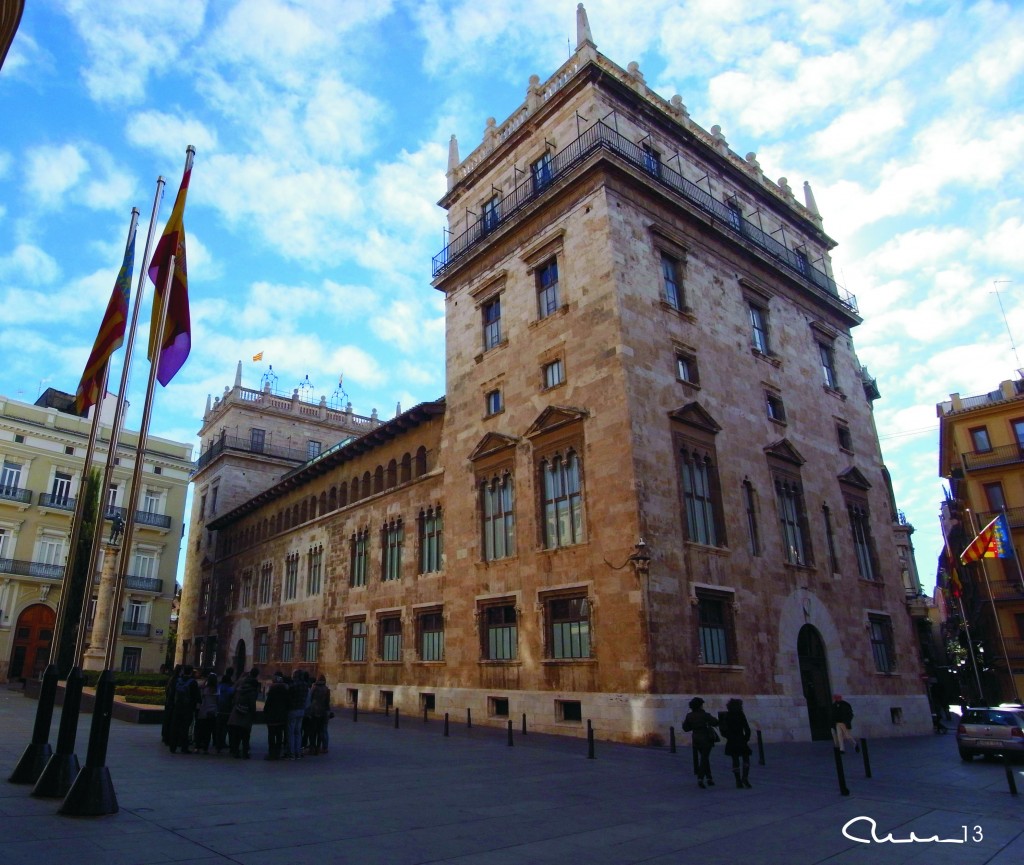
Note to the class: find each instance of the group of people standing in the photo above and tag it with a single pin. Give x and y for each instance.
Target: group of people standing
(736, 731)
(203, 711)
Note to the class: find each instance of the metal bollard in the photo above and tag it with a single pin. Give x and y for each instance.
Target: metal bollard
(424, 713)
(469, 719)
(396, 717)
(760, 749)
(355, 712)
(446, 723)
(672, 740)
(387, 709)
(840, 773)
(524, 723)
(867, 759)
(38, 752)
(590, 740)
(1010, 780)
(510, 734)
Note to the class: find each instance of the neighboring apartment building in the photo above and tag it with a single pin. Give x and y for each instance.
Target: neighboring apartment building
(981, 454)
(42, 452)
(655, 472)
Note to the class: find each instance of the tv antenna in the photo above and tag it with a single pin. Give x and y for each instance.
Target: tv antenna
(999, 298)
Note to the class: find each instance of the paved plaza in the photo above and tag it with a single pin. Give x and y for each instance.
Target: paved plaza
(410, 795)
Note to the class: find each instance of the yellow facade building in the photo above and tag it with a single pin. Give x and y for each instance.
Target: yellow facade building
(42, 453)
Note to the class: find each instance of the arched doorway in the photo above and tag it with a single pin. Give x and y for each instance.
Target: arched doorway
(814, 679)
(32, 637)
(239, 660)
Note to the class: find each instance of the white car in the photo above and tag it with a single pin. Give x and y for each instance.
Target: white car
(991, 731)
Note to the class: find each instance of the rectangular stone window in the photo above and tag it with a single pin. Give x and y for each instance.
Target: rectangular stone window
(500, 632)
(568, 622)
(390, 638)
(547, 288)
(882, 647)
(356, 639)
(491, 312)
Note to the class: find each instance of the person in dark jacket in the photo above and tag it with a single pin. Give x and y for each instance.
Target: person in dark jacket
(298, 701)
(186, 697)
(167, 726)
(243, 713)
(842, 724)
(702, 726)
(736, 731)
(275, 713)
(319, 707)
(207, 717)
(225, 698)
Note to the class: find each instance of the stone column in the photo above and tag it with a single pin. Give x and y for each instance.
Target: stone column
(94, 657)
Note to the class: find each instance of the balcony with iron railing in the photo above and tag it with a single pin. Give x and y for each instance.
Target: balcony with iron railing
(1004, 455)
(1014, 517)
(143, 518)
(144, 584)
(1015, 649)
(247, 445)
(135, 629)
(1007, 590)
(23, 568)
(59, 501)
(16, 494)
(601, 136)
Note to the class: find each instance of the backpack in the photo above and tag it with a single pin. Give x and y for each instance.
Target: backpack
(224, 695)
(182, 694)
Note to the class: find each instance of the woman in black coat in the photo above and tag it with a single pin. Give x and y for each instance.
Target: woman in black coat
(702, 726)
(737, 740)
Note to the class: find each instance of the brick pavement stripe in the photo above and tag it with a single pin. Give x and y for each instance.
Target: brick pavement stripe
(412, 796)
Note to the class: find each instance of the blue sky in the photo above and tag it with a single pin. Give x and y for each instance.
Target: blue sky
(321, 129)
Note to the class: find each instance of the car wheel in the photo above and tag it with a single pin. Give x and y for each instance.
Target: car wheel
(966, 755)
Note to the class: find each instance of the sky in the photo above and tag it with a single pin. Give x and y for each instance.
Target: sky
(321, 131)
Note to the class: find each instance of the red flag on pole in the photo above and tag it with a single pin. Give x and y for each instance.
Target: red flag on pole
(176, 340)
(111, 332)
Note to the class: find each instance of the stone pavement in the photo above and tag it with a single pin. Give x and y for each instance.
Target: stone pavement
(410, 795)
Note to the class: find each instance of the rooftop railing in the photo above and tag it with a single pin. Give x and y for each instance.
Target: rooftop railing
(601, 136)
(236, 443)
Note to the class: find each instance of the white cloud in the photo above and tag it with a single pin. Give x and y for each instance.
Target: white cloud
(169, 134)
(129, 41)
(29, 264)
(51, 171)
(859, 133)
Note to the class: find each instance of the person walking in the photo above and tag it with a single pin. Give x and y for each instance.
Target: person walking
(736, 731)
(243, 713)
(842, 724)
(275, 713)
(702, 725)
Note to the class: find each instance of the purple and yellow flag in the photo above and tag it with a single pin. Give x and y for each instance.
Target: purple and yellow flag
(992, 542)
(176, 340)
(110, 336)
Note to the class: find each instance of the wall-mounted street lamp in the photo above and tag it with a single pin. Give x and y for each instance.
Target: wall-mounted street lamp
(640, 559)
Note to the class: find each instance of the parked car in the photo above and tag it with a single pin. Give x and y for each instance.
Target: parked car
(990, 731)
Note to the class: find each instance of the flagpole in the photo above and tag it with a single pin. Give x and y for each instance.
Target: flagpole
(963, 614)
(995, 616)
(115, 431)
(140, 456)
(1016, 557)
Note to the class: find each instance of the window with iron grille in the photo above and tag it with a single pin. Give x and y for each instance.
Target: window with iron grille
(500, 633)
(882, 647)
(863, 545)
(360, 544)
(547, 288)
(568, 627)
(670, 281)
(357, 640)
(266, 584)
(314, 570)
(392, 538)
(390, 638)
(759, 328)
(562, 505)
(286, 636)
(714, 628)
(261, 652)
(431, 540)
(310, 642)
(431, 629)
(700, 496)
(291, 577)
(492, 323)
(498, 518)
(793, 521)
(540, 172)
